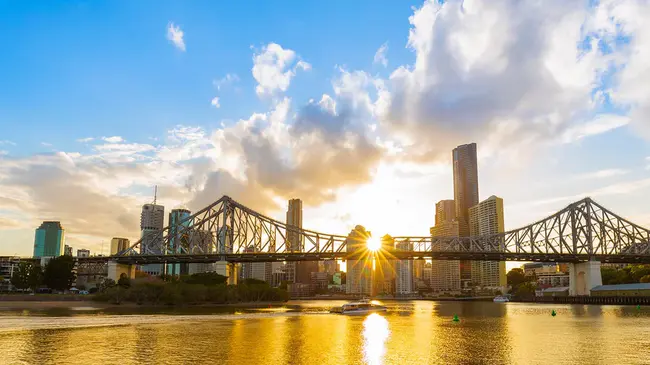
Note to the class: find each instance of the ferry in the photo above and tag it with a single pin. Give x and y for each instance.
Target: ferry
(361, 307)
(501, 299)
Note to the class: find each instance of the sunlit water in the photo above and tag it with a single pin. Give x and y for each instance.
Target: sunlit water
(418, 332)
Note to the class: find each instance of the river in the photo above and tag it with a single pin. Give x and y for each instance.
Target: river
(303, 332)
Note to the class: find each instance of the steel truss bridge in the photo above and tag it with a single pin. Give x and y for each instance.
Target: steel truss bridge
(229, 231)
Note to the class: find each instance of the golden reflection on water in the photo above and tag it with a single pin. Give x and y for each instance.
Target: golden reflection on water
(417, 332)
(375, 334)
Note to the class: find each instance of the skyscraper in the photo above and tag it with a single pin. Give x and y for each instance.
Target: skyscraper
(119, 244)
(487, 218)
(465, 166)
(67, 250)
(445, 274)
(404, 279)
(297, 272)
(445, 211)
(152, 221)
(178, 238)
(359, 272)
(48, 239)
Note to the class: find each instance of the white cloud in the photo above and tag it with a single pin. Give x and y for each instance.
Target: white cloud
(45, 144)
(602, 174)
(272, 69)
(7, 142)
(504, 72)
(114, 139)
(229, 79)
(85, 140)
(600, 124)
(175, 35)
(380, 55)
(215, 102)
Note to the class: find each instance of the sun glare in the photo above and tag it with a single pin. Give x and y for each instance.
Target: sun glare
(373, 244)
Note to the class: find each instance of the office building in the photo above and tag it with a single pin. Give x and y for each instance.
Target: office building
(297, 272)
(83, 253)
(200, 241)
(67, 250)
(486, 218)
(48, 240)
(445, 274)
(152, 221)
(256, 270)
(119, 244)
(465, 167)
(359, 272)
(179, 236)
(331, 266)
(385, 268)
(319, 280)
(445, 211)
(404, 270)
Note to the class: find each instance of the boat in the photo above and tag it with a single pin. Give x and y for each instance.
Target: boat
(360, 307)
(501, 299)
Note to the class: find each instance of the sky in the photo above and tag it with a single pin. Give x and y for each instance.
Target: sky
(353, 107)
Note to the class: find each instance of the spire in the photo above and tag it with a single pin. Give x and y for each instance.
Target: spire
(155, 194)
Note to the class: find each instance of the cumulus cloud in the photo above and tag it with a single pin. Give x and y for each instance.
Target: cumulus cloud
(503, 72)
(380, 55)
(175, 35)
(215, 102)
(272, 69)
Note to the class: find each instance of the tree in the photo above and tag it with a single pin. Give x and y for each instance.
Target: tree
(124, 281)
(59, 274)
(20, 276)
(526, 290)
(645, 279)
(35, 277)
(516, 277)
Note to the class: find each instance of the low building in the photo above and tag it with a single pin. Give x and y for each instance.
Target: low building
(83, 253)
(7, 266)
(558, 291)
(299, 290)
(319, 280)
(622, 290)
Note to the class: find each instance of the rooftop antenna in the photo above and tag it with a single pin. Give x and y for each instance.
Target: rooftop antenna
(155, 194)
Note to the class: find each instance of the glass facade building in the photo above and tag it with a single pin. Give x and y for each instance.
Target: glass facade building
(48, 240)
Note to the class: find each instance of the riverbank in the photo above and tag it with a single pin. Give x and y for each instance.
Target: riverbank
(45, 304)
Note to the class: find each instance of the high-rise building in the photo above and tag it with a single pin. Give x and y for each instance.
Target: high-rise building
(445, 211)
(359, 272)
(404, 280)
(297, 272)
(179, 223)
(445, 274)
(119, 244)
(330, 266)
(465, 166)
(200, 241)
(67, 250)
(152, 221)
(48, 240)
(385, 268)
(256, 270)
(486, 218)
(83, 252)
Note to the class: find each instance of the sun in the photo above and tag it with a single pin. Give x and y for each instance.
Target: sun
(374, 244)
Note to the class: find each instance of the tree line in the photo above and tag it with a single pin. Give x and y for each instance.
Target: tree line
(630, 274)
(190, 289)
(58, 274)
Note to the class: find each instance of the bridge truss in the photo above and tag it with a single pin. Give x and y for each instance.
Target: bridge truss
(229, 231)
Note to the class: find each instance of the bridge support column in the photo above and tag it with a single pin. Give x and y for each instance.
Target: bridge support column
(233, 273)
(116, 270)
(583, 277)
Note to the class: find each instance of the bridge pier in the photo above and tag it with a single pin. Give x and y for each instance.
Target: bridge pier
(116, 270)
(583, 277)
(232, 273)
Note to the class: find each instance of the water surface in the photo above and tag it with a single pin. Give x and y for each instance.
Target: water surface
(417, 332)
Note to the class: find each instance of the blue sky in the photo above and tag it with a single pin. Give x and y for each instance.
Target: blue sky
(352, 106)
(102, 68)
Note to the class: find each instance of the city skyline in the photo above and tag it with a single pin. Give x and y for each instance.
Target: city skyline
(339, 125)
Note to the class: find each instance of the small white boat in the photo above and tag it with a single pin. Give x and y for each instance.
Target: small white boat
(501, 299)
(361, 307)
